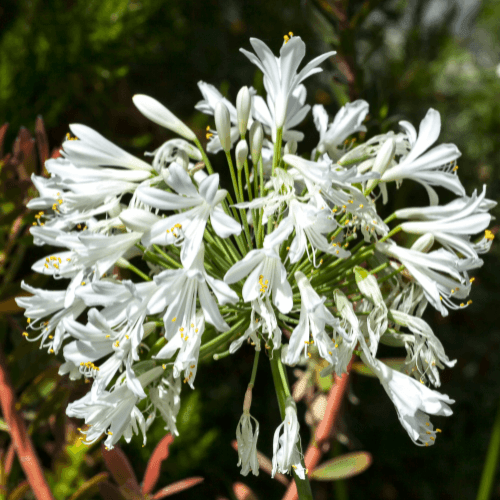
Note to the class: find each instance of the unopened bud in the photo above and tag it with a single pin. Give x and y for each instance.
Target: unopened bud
(159, 114)
(243, 106)
(291, 147)
(382, 160)
(241, 153)
(424, 243)
(256, 140)
(223, 125)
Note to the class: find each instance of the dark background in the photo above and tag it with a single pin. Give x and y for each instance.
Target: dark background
(81, 61)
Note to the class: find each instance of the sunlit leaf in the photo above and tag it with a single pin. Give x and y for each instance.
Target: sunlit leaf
(342, 467)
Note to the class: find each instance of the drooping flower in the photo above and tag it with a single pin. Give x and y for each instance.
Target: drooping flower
(286, 440)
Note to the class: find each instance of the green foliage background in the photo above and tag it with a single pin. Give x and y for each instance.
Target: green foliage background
(82, 60)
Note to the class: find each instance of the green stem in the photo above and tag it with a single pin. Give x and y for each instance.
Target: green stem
(490, 464)
(254, 368)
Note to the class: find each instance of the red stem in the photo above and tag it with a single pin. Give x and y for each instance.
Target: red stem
(24, 447)
(324, 430)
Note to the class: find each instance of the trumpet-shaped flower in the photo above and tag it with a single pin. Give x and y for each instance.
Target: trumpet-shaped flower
(314, 317)
(430, 167)
(413, 402)
(266, 275)
(347, 121)
(202, 204)
(280, 73)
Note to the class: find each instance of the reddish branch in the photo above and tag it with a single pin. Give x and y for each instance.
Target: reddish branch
(22, 442)
(324, 430)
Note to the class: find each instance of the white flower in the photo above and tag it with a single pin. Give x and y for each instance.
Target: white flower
(91, 149)
(187, 341)
(436, 167)
(347, 121)
(426, 353)
(296, 111)
(114, 413)
(452, 230)
(413, 401)
(169, 152)
(377, 320)
(211, 98)
(159, 114)
(314, 316)
(266, 274)
(166, 398)
(177, 291)
(246, 438)
(44, 303)
(311, 225)
(438, 273)
(251, 331)
(286, 453)
(280, 73)
(348, 334)
(203, 203)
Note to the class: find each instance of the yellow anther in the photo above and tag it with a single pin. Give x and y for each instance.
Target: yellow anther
(426, 444)
(287, 38)
(174, 319)
(192, 325)
(432, 438)
(107, 336)
(455, 168)
(28, 320)
(469, 302)
(439, 430)
(51, 351)
(290, 33)
(68, 259)
(196, 330)
(208, 128)
(83, 283)
(46, 265)
(472, 280)
(427, 424)
(127, 337)
(209, 135)
(489, 235)
(192, 366)
(109, 433)
(164, 366)
(440, 298)
(336, 345)
(51, 337)
(25, 334)
(361, 206)
(181, 329)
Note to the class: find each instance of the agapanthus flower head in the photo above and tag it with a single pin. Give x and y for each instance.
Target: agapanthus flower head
(296, 248)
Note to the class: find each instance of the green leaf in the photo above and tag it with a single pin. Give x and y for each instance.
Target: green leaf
(343, 467)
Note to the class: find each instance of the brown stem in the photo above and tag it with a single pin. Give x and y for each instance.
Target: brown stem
(324, 430)
(24, 447)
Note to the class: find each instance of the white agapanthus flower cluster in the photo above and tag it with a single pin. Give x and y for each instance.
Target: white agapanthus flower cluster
(298, 245)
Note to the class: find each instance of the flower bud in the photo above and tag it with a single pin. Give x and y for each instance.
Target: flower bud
(424, 243)
(159, 114)
(243, 106)
(223, 125)
(382, 160)
(291, 147)
(241, 153)
(256, 139)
